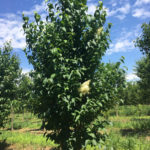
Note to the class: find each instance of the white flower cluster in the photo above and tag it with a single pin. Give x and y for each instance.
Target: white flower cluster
(85, 87)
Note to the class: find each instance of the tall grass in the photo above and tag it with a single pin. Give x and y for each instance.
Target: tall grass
(27, 120)
(26, 139)
(139, 110)
(117, 142)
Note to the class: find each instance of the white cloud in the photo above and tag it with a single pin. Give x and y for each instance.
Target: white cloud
(140, 12)
(132, 77)
(125, 9)
(121, 17)
(11, 26)
(141, 2)
(120, 12)
(120, 46)
(11, 30)
(37, 8)
(111, 13)
(114, 4)
(91, 8)
(125, 42)
(25, 71)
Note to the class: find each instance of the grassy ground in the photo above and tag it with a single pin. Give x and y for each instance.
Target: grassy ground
(129, 133)
(130, 130)
(26, 135)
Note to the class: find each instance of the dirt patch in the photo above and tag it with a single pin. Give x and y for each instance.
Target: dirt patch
(18, 147)
(34, 131)
(30, 130)
(147, 138)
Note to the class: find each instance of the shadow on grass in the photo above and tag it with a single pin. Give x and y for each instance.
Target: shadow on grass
(4, 145)
(141, 119)
(139, 127)
(134, 132)
(35, 129)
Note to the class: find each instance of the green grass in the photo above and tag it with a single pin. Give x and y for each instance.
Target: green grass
(28, 121)
(26, 139)
(118, 142)
(130, 130)
(139, 110)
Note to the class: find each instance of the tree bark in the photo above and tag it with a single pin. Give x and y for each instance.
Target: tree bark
(117, 114)
(12, 118)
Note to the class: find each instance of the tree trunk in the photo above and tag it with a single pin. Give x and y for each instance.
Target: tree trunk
(43, 125)
(12, 118)
(60, 148)
(23, 115)
(117, 114)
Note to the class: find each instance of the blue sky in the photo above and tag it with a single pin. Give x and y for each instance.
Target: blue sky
(126, 16)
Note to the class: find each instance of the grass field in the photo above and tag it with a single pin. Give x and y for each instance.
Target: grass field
(130, 130)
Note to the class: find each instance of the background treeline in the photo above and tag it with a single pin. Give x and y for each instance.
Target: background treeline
(138, 92)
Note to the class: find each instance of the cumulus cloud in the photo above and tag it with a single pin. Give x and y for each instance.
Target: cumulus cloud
(114, 4)
(26, 71)
(36, 8)
(125, 41)
(121, 17)
(120, 12)
(141, 13)
(11, 30)
(91, 8)
(11, 26)
(132, 77)
(121, 46)
(141, 2)
(125, 9)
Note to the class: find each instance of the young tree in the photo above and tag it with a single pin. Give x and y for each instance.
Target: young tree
(72, 86)
(143, 41)
(143, 65)
(132, 94)
(9, 74)
(143, 72)
(25, 93)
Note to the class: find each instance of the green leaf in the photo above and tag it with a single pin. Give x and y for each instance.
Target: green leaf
(77, 118)
(64, 29)
(78, 73)
(94, 142)
(53, 75)
(92, 135)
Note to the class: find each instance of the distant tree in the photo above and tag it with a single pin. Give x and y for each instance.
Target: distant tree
(143, 41)
(72, 86)
(25, 92)
(143, 72)
(143, 65)
(113, 84)
(131, 94)
(9, 75)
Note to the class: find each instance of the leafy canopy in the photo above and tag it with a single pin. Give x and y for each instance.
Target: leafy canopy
(143, 65)
(9, 75)
(143, 41)
(25, 93)
(66, 51)
(143, 72)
